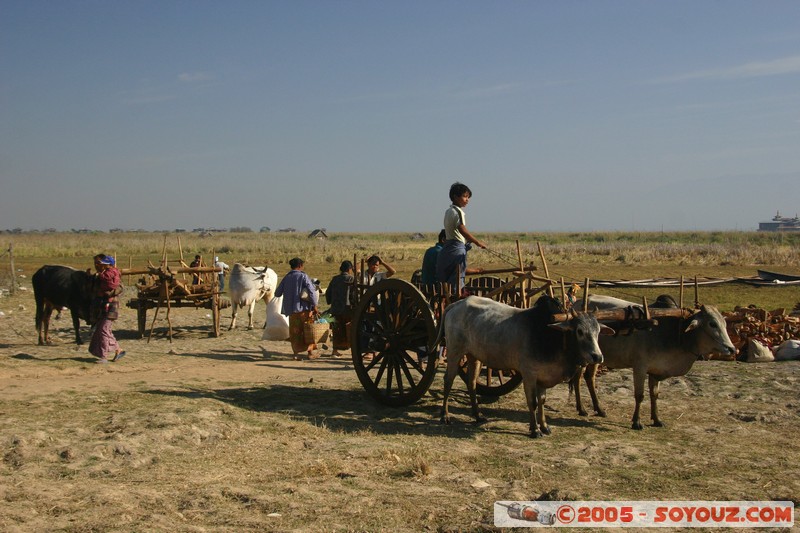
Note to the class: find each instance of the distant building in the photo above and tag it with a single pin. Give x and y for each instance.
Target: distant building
(780, 223)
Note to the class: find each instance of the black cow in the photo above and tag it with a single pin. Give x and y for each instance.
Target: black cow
(56, 287)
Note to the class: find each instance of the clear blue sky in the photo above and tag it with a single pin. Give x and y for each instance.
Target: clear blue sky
(358, 115)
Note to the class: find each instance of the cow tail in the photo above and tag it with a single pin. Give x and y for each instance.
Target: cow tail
(39, 298)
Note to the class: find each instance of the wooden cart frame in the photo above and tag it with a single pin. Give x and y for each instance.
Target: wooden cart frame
(160, 287)
(394, 334)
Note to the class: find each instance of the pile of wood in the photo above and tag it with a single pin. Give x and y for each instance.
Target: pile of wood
(153, 288)
(770, 328)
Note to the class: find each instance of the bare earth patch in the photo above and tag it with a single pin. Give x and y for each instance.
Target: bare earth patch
(232, 434)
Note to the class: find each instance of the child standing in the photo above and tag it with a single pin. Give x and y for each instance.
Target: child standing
(453, 257)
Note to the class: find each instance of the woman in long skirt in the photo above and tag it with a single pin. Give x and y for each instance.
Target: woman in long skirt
(103, 342)
(300, 298)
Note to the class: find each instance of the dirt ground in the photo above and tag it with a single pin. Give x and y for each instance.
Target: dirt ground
(233, 434)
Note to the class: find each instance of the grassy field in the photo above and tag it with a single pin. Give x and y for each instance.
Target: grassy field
(233, 434)
(573, 256)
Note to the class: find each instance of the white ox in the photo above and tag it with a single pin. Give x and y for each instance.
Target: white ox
(246, 286)
(500, 336)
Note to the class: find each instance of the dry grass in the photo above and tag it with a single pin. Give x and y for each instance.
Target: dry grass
(210, 434)
(573, 256)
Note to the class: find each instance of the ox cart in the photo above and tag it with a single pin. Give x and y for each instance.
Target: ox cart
(165, 287)
(394, 335)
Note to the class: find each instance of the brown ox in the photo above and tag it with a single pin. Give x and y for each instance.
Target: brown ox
(667, 349)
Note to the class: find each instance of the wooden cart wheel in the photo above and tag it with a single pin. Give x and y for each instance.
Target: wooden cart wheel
(492, 381)
(392, 343)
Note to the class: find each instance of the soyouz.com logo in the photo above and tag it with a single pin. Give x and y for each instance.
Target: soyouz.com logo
(644, 514)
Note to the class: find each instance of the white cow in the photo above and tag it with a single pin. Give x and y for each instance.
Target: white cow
(501, 336)
(246, 286)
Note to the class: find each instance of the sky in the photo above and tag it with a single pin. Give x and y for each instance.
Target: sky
(357, 116)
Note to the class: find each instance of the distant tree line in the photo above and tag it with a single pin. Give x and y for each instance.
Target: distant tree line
(235, 229)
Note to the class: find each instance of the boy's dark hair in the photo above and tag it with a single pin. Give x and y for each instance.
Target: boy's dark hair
(373, 259)
(457, 189)
(296, 262)
(442, 237)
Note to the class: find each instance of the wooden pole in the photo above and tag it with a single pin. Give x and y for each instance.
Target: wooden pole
(696, 293)
(164, 252)
(526, 283)
(169, 318)
(180, 251)
(680, 301)
(586, 295)
(616, 315)
(213, 263)
(13, 288)
(564, 294)
(544, 266)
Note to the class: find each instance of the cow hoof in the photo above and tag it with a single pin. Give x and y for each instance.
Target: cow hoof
(249, 328)
(445, 420)
(583, 413)
(658, 424)
(637, 425)
(480, 420)
(546, 430)
(601, 413)
(536, 434)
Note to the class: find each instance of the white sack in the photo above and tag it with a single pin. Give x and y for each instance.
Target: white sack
(758, 353)
(788, 351)
(277, 324)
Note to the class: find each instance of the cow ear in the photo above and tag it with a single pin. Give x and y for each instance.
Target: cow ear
(560, 326)
(692, 325)
(606, 330)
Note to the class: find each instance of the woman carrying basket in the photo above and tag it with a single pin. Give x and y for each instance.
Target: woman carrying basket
(300, 298)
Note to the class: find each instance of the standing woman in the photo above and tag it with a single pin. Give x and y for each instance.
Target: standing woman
(458, 240)
(339, 296)
(300, 298)
(107, 304)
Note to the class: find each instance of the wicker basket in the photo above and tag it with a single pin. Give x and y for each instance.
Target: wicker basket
(316, 332)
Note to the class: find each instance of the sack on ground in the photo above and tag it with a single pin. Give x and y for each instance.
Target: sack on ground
(277, 328)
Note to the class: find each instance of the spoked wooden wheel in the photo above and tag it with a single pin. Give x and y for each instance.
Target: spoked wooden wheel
(492, 381)
(392, 343)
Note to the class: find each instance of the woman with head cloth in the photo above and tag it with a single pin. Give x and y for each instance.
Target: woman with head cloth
(105, 301)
